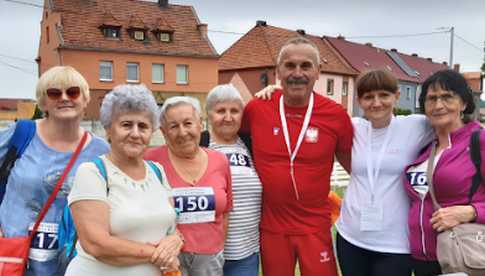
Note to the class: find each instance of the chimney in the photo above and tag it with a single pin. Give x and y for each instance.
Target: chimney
(414, 54)
(430, 59)
(301, 31)
(163, 3)
(456, 67)
(393, 50)
(202, 27)
(261, 23)
(368, 44)
(341, 37)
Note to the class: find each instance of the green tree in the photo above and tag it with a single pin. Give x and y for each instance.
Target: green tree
(402, 111)
(38, 114)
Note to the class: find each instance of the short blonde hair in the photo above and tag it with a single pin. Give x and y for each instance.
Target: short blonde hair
(60, 77)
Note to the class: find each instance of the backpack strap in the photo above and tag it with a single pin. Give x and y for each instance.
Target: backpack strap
(23, 134)
(102, 170)
(67, 217)
(477, 160)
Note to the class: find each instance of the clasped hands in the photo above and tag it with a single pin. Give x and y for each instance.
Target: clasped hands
(166, 252)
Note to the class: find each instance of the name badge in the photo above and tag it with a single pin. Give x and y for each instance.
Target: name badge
(195, 204)
(371, 217)
(44, 244)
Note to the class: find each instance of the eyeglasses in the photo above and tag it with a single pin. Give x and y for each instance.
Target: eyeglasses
(446, 99)
(55, 94)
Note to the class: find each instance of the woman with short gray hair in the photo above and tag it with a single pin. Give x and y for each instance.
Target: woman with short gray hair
(201, 182)
(241, 251)
(124, 217)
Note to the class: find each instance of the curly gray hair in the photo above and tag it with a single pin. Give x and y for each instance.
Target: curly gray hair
(176, 101)
(128, 98)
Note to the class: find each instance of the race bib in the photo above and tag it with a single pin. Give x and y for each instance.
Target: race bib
(418, 179)
(238, 160)
(44, 243)
(195, 204)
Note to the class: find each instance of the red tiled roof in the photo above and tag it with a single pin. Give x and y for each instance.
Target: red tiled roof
(136, 22)
(423, 66)
(109, 20)
(162, 25)
(364, 57)
(260, 47)
(81, 20)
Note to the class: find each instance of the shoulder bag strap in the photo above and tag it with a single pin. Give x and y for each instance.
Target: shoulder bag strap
(429, 176)
(476, 159)
(53, 195)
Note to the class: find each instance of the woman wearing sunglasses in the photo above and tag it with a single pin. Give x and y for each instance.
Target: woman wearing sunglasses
(62, 94)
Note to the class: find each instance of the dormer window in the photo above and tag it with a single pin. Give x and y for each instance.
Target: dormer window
(163, 31)
(110, 26)
(111, 32)
(139, 35)
(165, 37)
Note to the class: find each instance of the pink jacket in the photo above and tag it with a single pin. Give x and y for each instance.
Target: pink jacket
(452, 180)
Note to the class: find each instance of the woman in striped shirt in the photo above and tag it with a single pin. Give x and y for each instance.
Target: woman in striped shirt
(241, 250)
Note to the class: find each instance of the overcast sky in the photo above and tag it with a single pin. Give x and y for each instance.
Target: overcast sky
(20, 28)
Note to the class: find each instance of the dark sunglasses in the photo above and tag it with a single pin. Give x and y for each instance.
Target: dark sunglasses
(56, 94)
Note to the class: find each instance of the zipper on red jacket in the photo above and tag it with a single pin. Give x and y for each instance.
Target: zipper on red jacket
(421, 211)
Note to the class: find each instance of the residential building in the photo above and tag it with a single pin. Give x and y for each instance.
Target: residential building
(410, 70)
(15, 109)
(250, 64)
(475, 81)
(161, 45)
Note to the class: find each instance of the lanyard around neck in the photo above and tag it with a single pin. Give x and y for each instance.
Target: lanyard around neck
(304, 127)
(373, 173)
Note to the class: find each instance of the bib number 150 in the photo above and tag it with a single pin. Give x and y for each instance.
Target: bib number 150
(191, 203)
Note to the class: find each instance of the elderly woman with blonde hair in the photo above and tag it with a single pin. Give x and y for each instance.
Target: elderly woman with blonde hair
(125, 219)
(62, 94)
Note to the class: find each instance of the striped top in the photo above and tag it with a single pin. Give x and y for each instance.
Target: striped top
(243, 231)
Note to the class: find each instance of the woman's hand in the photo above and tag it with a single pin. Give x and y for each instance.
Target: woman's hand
(449, 217)
(172, 266)
(167, 250)
(265, 94)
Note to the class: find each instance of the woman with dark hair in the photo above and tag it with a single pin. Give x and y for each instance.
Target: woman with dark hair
(448, 103)
(372, 235)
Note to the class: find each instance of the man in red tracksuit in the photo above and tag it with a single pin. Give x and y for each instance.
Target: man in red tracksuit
(296, 135)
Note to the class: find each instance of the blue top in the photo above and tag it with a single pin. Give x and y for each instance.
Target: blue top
(30, 183)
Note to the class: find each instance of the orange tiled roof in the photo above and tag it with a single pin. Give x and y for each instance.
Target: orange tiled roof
(260, 47)
(81, 20)
(107, 19)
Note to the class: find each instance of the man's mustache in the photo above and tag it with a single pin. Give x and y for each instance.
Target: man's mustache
(291, 81)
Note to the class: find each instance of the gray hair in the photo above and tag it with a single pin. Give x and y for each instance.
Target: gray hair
(128, 98)
(176, 101)
(298, 41)
(222, 93)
